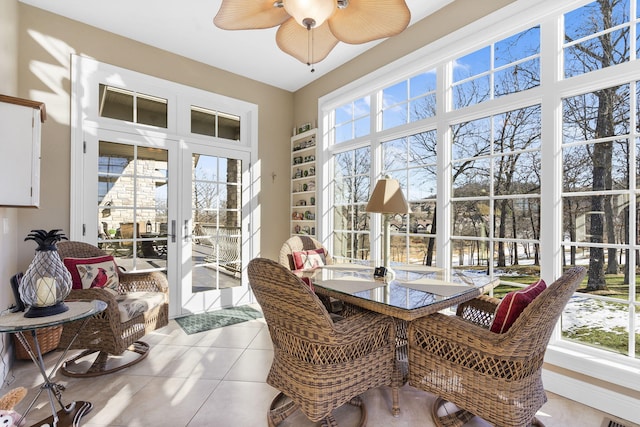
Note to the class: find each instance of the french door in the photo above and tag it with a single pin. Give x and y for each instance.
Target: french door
(215, 222)
(171, 206)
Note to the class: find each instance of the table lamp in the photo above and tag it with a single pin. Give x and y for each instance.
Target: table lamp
(387, 199)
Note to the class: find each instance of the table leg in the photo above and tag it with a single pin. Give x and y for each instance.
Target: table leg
(54, 390)
(401, 369)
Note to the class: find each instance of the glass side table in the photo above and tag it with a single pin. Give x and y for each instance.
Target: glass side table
(68, 415)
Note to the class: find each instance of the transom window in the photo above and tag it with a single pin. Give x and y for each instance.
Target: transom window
(592, 44)
(508, 66)
(352, 120)
(410, 100)
(215, 123)
(130, 106)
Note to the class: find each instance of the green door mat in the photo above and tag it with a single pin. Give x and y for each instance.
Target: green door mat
(216, 319)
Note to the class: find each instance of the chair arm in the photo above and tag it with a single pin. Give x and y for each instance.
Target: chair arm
(479, 310)
(112, 311)
(143, 282)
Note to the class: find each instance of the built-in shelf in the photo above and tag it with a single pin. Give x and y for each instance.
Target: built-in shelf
(302, 214)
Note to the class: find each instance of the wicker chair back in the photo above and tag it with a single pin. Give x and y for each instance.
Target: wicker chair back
(494, 376)
(319, 364)
(297, 244)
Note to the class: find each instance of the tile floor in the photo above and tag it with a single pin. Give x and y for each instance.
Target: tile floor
(216, 378)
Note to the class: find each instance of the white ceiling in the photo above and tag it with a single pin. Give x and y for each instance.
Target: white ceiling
(186, 28)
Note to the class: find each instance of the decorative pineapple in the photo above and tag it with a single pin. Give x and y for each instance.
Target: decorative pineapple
(47, 282)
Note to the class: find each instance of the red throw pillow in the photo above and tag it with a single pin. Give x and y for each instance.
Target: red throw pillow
(513, 304)
(308, 282)
(100, 272)
(305, 260)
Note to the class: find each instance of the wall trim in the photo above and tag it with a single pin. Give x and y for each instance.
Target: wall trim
(611, 402)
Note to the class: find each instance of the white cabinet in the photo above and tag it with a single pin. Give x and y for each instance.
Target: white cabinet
(20, 127)
(303, 183)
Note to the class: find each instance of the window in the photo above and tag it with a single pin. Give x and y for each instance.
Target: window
(496, 189)
(508, 66)
(474, 160)
(412, 161)
(214, 123)
(351, 187)
(352, 120)
(597, 36)
(410, 100)
(129, 106)
(596, 202)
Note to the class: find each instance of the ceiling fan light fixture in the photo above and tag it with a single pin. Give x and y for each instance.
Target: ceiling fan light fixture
(309, 29)
(310, 13)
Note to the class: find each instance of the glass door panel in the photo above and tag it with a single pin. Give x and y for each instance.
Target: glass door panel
(213, 225)
(133, 204)
(216, 219)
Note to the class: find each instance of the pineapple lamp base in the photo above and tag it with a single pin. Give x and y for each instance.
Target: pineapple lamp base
(46, 311)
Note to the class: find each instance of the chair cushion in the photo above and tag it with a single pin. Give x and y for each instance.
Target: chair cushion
(513, 304)
(97, 272)
(133, 304)
(305, 260)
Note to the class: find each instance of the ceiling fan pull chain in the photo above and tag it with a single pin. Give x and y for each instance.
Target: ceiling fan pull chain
(310, 46)
(311, 50)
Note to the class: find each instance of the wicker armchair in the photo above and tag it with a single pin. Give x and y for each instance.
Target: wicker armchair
(306, 243)
(318, 364)
(105, 334)
(494, 376)
(300, 243)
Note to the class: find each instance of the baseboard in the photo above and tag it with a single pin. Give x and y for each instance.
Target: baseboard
(616, 404)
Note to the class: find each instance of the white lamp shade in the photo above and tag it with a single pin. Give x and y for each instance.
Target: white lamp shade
(318, 10)
(387, 198)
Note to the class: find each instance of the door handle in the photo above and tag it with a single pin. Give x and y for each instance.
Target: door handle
(187, 232)
(173, 231)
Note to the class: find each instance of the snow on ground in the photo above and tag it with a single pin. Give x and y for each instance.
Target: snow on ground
(587, 312)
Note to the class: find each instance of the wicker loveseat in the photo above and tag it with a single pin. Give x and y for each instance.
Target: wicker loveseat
(117, 330)
(496, 376)
(318, 364)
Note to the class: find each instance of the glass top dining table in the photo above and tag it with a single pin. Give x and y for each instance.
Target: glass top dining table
(416, 291)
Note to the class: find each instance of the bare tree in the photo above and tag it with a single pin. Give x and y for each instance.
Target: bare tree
(598, 117)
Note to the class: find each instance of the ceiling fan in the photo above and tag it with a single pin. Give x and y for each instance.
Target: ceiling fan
(310, 29)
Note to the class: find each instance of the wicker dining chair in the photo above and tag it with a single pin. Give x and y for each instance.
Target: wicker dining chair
(496, 376)
(105, 333)
(318, 365)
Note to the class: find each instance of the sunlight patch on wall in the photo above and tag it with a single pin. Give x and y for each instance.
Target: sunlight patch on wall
(54, 76)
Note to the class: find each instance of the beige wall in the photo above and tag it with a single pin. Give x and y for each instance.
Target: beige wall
(452, 17)
(46, 43)
(8, 216)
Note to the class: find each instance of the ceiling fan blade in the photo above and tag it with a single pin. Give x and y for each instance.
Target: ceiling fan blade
(294, 40)
(366, 20)
(249, 15)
